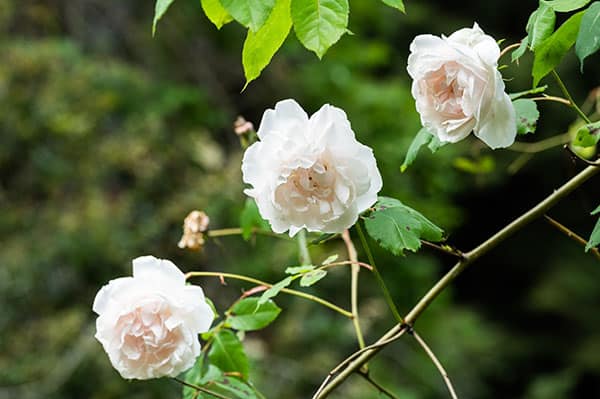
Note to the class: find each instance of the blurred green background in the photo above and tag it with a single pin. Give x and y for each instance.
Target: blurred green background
(108, 138)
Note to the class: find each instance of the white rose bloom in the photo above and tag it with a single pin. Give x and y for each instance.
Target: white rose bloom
(148, 324)
(458, 88)
(309, 172)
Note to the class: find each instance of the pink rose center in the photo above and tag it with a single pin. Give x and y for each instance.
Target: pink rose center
(444, 91)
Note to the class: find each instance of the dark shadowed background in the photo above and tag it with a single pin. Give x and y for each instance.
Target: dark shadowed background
(108, 138)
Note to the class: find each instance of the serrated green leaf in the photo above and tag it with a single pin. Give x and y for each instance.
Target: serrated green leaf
(250, 13)
(160, 9)
(527, 115)
(541, 89)
(518, 53)
(201, 374)
(261, 46)
(250, 219)
(551, 51)
(319, 23)
(423, 137)
(249, 315)
(588, 37)
(540, 25)
(227, 353)
(398, 4)
(274, 290)
(595, 236)
(397, 227)
(330, 259)
(216, 13)
(234, 386)
(311, 278)
(588, 135)
(565, 5)
(299, 269)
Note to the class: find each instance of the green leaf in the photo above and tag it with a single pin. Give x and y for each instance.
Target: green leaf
(595, 237)
(479, 166)
(588, 135)
(549, 54)
(299, 269)
(518, 53)
(588, 38)
(398, 4)
(319, 23)
(261, 46)
(249, 315)
(540, 25)
(274, 290)
(159, 10)
(240, 389)
(527, 115)
(422, 138)
(536, 90)
(250, 13)
(565, 5)
(250, 219)
(330, 259)
(201, 374)
(227, 353)
(216, 13)
(311, 278)
(397, 227)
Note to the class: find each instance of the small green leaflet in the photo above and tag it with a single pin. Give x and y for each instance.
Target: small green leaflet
(396, 227)
(527, 115)
(299, 269)
(250, 13)
(250, 219)
(249, 315)
(201, 374)
(537, 90)
(518, 53)
(588, 135)
(565, 5)
(261, 46)
(159, 10)
(319, 23)
(323, 238)
(235, 386)
(540, 25)
(422, 138)
(595, 237)
(588, 38)
(330, 259)
(216, 13)
(479, 166)
(227, 353)
(551, 51)
(274, 290)
(312, 277)
(398, 4)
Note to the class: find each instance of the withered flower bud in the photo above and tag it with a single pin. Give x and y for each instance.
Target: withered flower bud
(194, 225)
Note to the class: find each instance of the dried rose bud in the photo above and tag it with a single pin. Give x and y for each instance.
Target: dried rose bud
(194, 225)
(241, 126)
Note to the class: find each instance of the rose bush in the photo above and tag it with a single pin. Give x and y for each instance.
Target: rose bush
(309, 172)
(148, 324)
(458, 88)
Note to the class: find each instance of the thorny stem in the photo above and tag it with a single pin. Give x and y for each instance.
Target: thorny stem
(565, 91)
(354, 287)
(201, 389)
(379, 387)
(444, 248)
(386, 292)
(508, 48)
(437, 364)
(303, 248)
(546, 97)
(565, 230)
(285, 290)
(470, 257)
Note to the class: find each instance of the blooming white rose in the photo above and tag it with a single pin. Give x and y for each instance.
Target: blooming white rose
(458, 88)
(148, 324)
(309, 172)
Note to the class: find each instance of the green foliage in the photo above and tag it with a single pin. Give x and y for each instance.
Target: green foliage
(319, 23)
(540, 25)
(422, 138)
(588, 38)
(399, 4)
(595, 237)
(565, 5)
(527, 115)
(396, 227)
(160, 9)
(551, 51)
(312, 277)
(275, 289)
(216, 13)
(248, 314)
(250, 219)
(535, 90)
(227, 353)
(299, 269)
(588, 135)
(520, 51)
(261, 46)
(477, 166)
(212, 378)
(250, 13)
